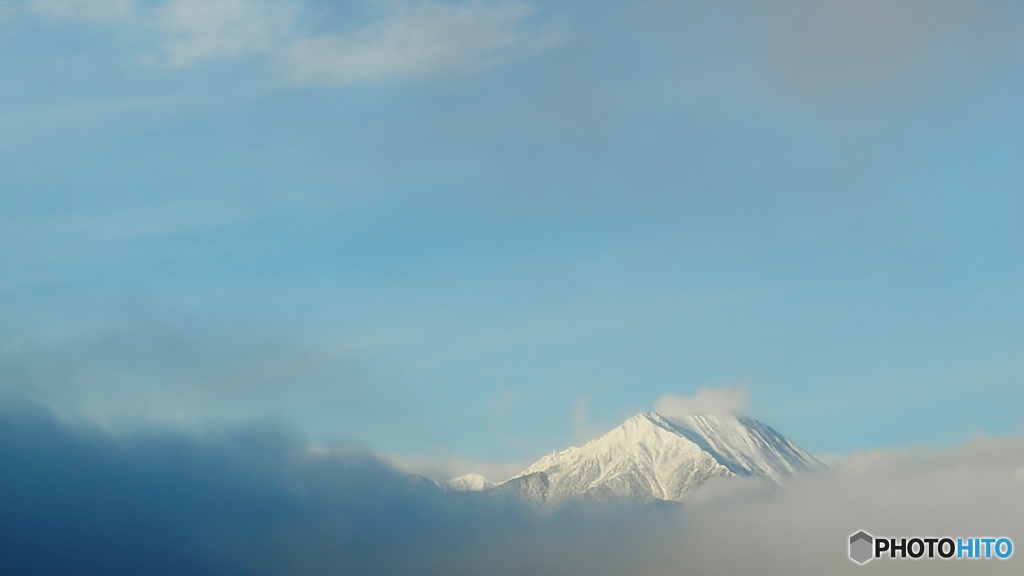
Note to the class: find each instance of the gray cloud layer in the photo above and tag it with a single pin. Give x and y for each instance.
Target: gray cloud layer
(77, 501)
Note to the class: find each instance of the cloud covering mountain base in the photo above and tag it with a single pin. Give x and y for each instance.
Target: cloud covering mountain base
(81, 501)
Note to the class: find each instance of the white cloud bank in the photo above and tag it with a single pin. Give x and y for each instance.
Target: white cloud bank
(722, 400)
(964, 491)
(408, 41)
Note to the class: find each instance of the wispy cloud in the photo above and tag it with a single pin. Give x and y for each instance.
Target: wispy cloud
(582, 425)
(199, 30)
(146, 366)
(723, 400)
(406, 41)
(26, 244)
(95, 11)
(420, 40)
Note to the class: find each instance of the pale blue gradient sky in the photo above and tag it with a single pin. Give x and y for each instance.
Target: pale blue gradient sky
(486, 230)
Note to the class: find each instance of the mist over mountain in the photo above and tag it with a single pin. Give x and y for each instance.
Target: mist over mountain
(77, 500)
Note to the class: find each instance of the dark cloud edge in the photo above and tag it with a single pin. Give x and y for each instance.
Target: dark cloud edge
(76, 499)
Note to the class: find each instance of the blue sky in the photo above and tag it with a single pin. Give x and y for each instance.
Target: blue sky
(486, 230)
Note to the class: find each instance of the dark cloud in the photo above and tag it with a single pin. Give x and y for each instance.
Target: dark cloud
(78, 501)
(75, 500)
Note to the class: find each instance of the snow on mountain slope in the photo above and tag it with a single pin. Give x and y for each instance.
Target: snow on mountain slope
(653, 457)
(745, 446)
(469, 483)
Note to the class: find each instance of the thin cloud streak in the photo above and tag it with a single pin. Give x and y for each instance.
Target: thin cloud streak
(418, 41)
(199, 30)
(93, 11)
(408, 41)
(140, 366)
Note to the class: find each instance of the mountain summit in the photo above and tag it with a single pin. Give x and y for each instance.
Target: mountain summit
(656, 457)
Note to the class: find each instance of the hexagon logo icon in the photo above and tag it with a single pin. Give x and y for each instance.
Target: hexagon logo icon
(860, 547)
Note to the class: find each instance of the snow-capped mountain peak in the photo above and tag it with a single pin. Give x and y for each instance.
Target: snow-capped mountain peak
(744, 445)
(655, 457)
